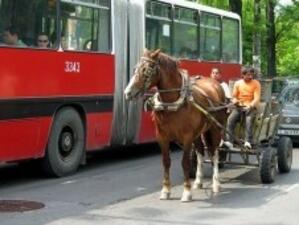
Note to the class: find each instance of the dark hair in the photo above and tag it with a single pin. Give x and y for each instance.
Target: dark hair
(216, 68)
(42, 33)
(248, 69)
(12, 30)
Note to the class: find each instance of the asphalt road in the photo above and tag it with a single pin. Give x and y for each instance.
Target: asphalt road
(122, 187)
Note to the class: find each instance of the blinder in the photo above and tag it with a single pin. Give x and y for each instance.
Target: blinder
(149, 71)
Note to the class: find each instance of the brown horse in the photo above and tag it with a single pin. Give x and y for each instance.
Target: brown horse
(175, 116)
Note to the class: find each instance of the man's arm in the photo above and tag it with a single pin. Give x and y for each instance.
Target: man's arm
(235, 93)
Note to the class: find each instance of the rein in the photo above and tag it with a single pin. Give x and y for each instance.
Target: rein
(185, 96)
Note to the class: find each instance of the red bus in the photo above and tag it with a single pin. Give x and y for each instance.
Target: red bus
(60, 101)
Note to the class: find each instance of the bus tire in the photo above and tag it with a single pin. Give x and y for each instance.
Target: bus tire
(65, 148)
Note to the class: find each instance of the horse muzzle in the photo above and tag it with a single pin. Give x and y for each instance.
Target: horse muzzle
(131, 93)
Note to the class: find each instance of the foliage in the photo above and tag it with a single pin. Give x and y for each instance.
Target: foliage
(287, 25)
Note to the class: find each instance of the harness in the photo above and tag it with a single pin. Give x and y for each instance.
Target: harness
(185, 93)
(187, 87)
(185, 96)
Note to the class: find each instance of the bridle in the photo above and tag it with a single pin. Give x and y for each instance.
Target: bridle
(149, 72)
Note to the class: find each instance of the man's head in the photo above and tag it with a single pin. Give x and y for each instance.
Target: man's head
(42, 40)
(11, 36)
(248, 73)
(216, 74)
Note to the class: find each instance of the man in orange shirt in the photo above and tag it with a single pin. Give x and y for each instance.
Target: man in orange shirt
(246, 95)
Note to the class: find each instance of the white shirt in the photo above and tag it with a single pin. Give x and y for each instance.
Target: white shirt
(226, 89)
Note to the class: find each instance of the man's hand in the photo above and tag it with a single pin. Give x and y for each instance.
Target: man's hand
(235, 101)
(248, 108)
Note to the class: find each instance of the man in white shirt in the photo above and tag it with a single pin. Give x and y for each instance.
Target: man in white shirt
(216, 74)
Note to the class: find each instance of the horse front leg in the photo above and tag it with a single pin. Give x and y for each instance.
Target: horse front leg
(187, 195)
(166, 185)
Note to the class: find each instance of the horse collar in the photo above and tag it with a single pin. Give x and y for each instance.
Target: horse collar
(158, 105)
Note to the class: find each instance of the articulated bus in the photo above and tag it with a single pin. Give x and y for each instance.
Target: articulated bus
(63, 100)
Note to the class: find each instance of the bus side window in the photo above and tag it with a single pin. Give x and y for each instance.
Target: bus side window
(29, 17)
(185, 22)
(210, 33)
(158, 26)
(230, 40)
(86, 28)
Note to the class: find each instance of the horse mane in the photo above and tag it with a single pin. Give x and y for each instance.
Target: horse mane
(169, 64)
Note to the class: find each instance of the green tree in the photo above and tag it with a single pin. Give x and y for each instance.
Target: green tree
(287, 36)
(271, 40)
(256, 42)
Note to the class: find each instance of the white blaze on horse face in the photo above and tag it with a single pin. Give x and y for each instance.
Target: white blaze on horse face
(130, 91)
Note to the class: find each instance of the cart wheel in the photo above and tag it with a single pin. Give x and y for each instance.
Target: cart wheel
(268, 165)
(222, 158)
(284, 154)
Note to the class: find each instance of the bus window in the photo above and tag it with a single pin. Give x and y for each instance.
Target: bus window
(185, 33)
(230, 40)
(28, 19)
(210, 33)
(85, 25)
(158, 26)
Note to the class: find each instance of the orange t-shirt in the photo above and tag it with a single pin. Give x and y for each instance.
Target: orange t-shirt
(247, 94)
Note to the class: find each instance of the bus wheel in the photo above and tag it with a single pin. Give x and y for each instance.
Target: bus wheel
(65, 146)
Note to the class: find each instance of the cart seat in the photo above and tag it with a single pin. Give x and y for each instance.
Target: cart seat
(261, 123)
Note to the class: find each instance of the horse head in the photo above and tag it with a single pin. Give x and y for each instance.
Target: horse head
(145, 75)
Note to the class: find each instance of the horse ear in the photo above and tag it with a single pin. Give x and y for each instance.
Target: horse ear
(155, 53)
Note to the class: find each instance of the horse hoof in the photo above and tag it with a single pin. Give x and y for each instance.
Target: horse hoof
(197, 186)
(186, 197)
(164, 195)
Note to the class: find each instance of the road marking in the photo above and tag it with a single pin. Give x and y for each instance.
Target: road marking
(292, 187)
(69, 182)
(141, 189)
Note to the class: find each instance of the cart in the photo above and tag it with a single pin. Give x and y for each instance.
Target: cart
(271, 153)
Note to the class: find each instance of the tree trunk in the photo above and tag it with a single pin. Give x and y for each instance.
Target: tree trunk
(236, 6)
(256, 43)
(271, 41)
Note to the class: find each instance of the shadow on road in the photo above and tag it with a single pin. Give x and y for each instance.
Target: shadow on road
(30, 170)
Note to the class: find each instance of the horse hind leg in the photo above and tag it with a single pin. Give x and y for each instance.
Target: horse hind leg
(214, 140)
(166, 185)
(187, 195)
(199, 150)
